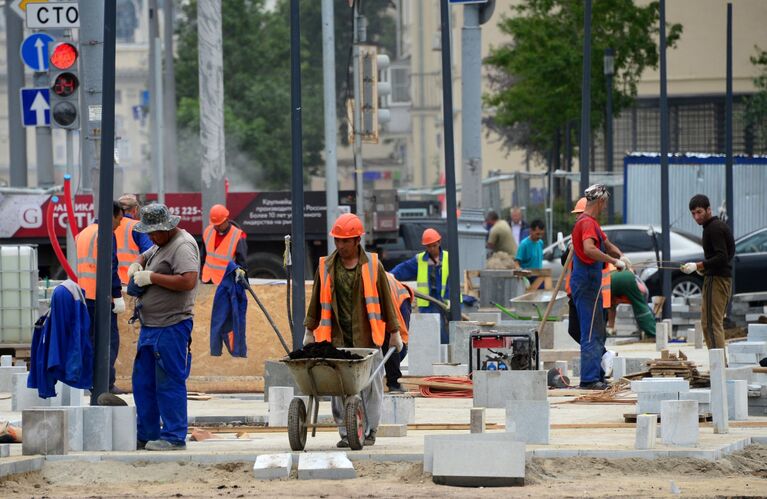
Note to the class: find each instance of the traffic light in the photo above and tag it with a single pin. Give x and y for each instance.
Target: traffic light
(65, 84)
(372, 88)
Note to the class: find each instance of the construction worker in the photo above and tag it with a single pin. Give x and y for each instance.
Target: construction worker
(530, 252)
(223, 242)
(169, 273)
(500, 237)
(627, 287)
(430, 270)
(718, 252)
(86, 243)
(592, 250)
(402, 296)
(352, 306)
(130, 244)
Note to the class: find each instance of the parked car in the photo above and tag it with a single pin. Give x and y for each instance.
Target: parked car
(642, 244)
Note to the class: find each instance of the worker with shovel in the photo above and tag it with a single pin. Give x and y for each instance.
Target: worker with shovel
(351, 306)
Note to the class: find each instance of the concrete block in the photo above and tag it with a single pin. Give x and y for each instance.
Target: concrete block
(661, 336)
(495, 388)
(562, 339)
(424, 347)
(459, 332)
(45, 431)
(325, 466)
(757, 332)
(97, 428)
(575, 365)
(488, 439)
(278, 374)
(273, 466)
(20, 363)
(279, 402)
(5, 450)
(650, 402)
(75, 428)
(702, 395)
(753, 347)
(719, 405)
(444, 356)
(24, 398)
(660, 385)
(398, 409)
(619, 367)
(6, 376)
(6, 360)
(742, 372)
(737, 400)
(529, 420)
(636, 364)
(124, 428)
(561, 365)
(646, 429)
(391, 430)
(743, 359)
(450, 369)
(679, 422)
(699, 340)
(485, 316)
(477, 420)
(73, 396)
(474, 463)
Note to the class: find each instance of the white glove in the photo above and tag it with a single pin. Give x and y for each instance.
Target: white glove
(143, 278)
(619, 264)
(308, 337)
(240, 273)
(626, 260)
(134, 267)
(689, 268)
(118, 305)
(395, 341)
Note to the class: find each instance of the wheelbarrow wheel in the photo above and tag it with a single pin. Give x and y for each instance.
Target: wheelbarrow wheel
(297, 424)
(354, 418)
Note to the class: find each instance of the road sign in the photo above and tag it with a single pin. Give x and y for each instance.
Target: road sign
(34, 51)
(20, 6)
(53, 15)
(35, 106)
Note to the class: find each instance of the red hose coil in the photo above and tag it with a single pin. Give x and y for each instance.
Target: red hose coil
(70, 206)
(55, 241)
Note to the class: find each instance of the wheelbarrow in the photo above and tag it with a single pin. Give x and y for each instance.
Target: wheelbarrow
(331, 377)
(532, 305)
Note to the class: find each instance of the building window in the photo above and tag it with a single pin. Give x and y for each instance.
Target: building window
(400, 85)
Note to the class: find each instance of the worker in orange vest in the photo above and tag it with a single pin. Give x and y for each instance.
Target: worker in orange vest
(130, 244)
(351, 306)
(222, 242)
(403, 298)
(87, 253)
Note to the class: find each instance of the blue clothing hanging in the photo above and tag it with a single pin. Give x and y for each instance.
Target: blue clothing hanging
(227, 321)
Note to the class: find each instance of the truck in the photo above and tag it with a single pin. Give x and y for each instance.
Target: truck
(264, 216)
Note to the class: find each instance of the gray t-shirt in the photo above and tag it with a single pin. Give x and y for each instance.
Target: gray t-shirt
(160, 306)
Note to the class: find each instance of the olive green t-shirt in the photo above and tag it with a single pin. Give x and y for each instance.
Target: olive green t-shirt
(344, 290)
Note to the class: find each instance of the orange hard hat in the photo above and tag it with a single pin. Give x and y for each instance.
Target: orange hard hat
(347, 226)
(430, 236)
(580, 206)
(218, 214)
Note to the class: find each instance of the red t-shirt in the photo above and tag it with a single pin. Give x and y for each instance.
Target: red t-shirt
(586, 227)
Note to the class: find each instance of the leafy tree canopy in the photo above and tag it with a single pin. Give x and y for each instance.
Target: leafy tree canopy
(536, 76)
(756, 105)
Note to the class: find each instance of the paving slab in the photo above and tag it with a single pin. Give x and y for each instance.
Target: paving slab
(650, 402)
(737, 400)
(473, 463)
(279, 402)
(325, 466)
(5, 450)
(489, 439)
(75, 428)
(273, 466)
(679, 422)
(398, 409)
(646, 430)
(495, 388)
(750, 347)
(660, 385)
(391, 430)
(757, 332)
(97, 428)
(529, 420)
(423, 344)
(124, 436)
(6, 376)
(45, 431)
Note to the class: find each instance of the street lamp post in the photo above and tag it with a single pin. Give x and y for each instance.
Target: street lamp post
(609, 66)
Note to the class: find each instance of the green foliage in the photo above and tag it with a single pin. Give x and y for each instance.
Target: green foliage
(536, 77)
(756, 105)
(257, 86)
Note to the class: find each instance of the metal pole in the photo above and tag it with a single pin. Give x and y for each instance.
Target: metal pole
(169, 149)
(17, 134)
(664, 189)
(104, 258)
(609, 131)
(71, 248)
(155, 94)
(297, 180)
(91, 57)
(329, 87)
(585, 147)
(359, 36)
(211, 64)
(454, 277)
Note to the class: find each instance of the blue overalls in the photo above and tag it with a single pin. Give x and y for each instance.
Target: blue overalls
(585, 283)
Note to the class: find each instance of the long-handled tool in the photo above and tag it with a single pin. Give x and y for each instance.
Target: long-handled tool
(437, 302)
(565, 270)
(244, 281)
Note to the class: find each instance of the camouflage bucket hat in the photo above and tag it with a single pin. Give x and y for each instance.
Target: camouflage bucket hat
(156, 217)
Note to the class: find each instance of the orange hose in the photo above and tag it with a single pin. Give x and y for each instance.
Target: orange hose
(436, 392)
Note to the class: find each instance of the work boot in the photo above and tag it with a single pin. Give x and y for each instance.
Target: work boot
(116, 391)
(110, 399)
(140, 445)
(163, 445)
(370, 439)
(397, 389)
(594, 385)
(343, 443)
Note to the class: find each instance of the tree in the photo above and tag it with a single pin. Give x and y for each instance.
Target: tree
(257, 86)
(535, 78)
(756, 106)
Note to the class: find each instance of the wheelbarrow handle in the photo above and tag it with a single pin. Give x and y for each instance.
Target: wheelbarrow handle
(380, 366)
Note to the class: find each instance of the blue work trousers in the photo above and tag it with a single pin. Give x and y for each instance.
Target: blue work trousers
(163, 361)
(585, 283)
(114, 340)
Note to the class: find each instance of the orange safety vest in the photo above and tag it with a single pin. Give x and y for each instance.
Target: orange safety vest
(606, 295)
(369, 273)
(399, 293)
(127, 249)
(215, 260)
(86, 259)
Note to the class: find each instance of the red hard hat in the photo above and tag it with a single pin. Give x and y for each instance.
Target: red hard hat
(347, 226)
(580, 206)
(218, 214)
(430, 236)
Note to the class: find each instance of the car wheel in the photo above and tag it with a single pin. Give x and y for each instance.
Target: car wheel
(686, 287)
(265, 266)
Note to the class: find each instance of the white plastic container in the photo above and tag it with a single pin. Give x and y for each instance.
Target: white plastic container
(18, 293)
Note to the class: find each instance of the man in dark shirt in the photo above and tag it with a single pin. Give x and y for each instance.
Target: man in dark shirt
(718, 251)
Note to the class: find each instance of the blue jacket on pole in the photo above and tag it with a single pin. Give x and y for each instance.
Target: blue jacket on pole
(227, 321)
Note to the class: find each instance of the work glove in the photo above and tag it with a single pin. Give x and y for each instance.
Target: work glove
(118, 305)
(626, 260)
(689, 268)
(619, 264)
(308, 337)
(240, 274)
(134, 267)
(395, 341)
(143, 278)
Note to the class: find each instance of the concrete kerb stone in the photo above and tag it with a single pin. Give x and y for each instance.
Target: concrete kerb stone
(5, 450)
(24, 398)
(636, 364)
(124, 428)
(660, 385)
(278, 374)
(6, 360)
(661, 336)
(424, 344)
(279, 402)
(459, 332)
(493, 389)
(6, 376)
(273, 466)
(747, 347)
(473, 463)
(72, 396)
(391, 430)
(744, 372)
(15, 465)
(45, 431)
(679, 422)
(325, 466)
(737, 400)
(619, 367)
(398, 409)
(450, 369)
(477, 419)
(646, 429)
(650, 402)
(719, 405)
(698, 335)
(75, 428)
(488, 439)
(757, 332)
(97, 428)
(485, 317)
(529, 420)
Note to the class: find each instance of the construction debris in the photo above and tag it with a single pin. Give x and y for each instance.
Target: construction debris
(323, 350)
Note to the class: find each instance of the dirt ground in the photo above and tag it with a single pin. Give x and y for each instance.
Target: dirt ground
(743, 474)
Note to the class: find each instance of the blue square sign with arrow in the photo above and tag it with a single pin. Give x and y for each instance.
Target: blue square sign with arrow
(34, 51)
(35, 106)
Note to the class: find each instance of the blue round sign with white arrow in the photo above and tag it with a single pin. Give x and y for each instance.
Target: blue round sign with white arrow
(34, 51)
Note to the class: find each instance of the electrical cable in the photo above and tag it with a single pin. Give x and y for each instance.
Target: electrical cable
(436, 392)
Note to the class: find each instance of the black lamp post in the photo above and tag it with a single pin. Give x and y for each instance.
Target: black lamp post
(609, 66)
